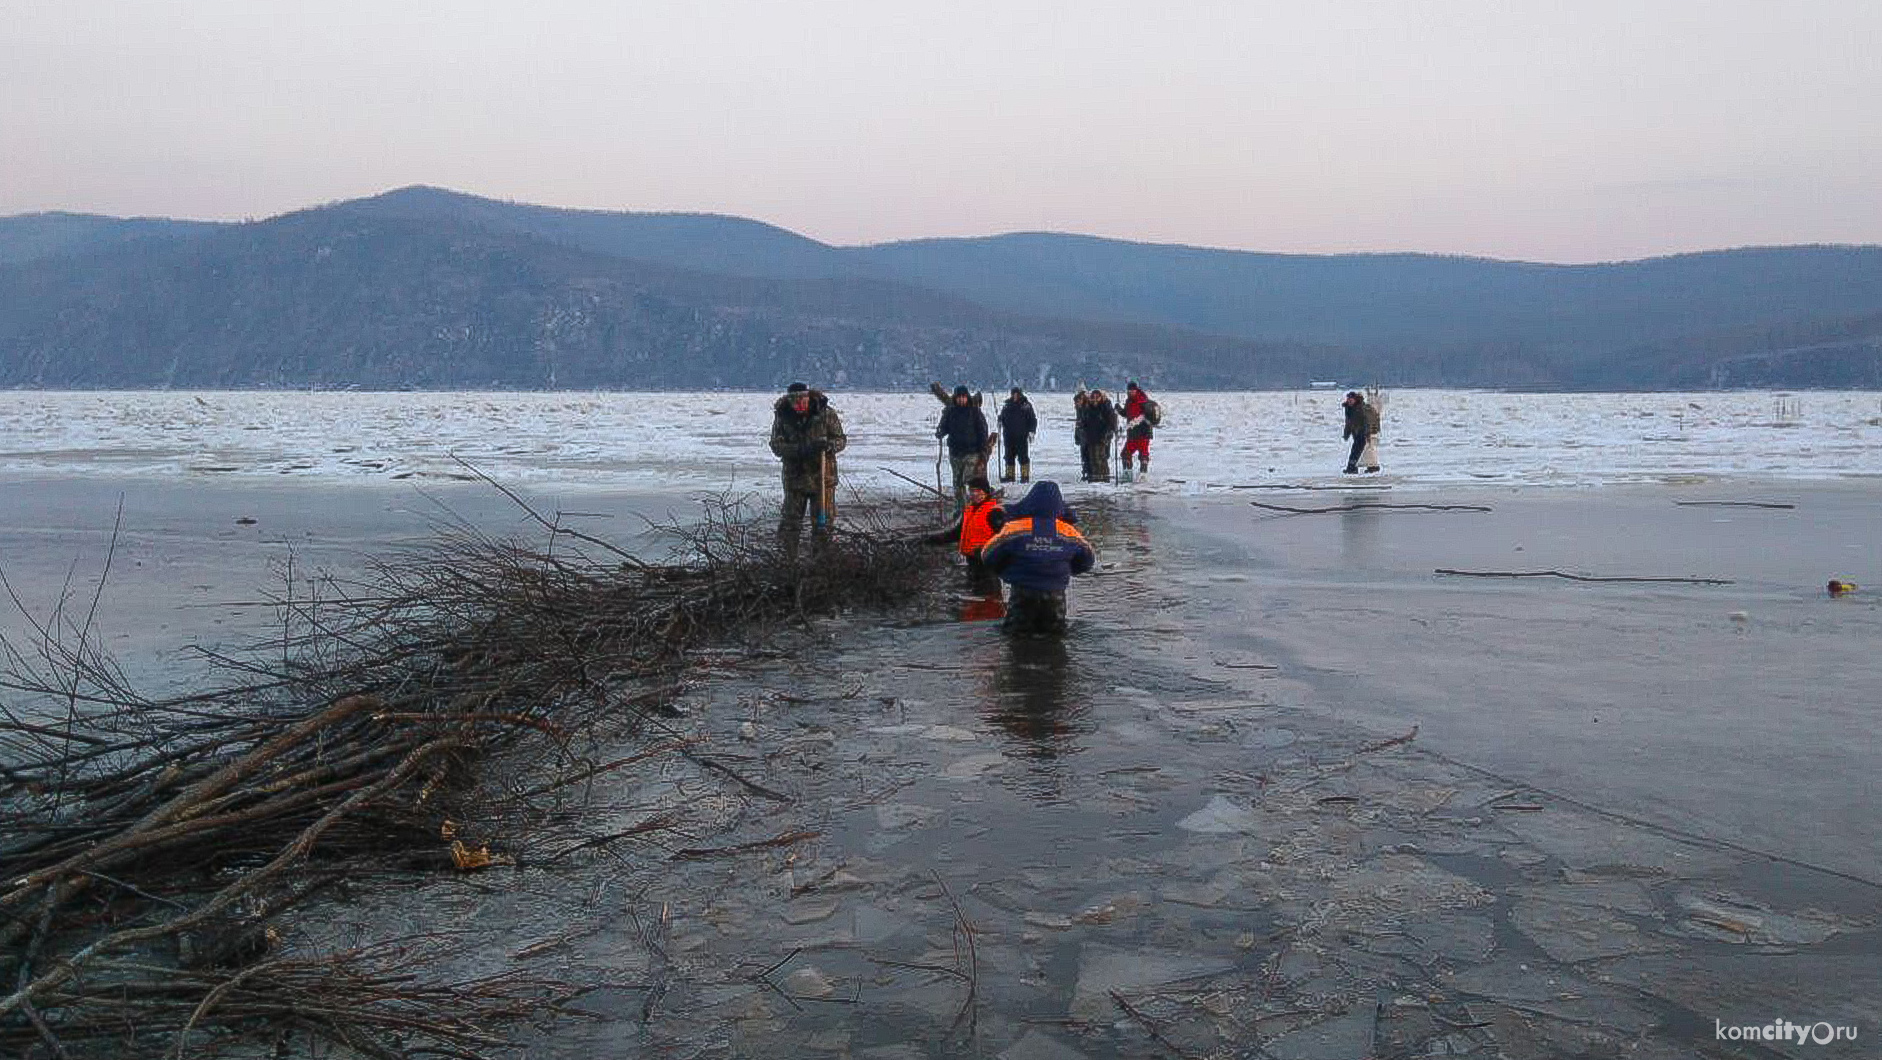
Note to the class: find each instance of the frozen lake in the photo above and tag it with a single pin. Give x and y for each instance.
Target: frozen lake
(716, 441)
(1628, 810)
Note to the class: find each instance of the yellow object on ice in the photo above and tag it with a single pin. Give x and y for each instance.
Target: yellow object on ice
(469, 860)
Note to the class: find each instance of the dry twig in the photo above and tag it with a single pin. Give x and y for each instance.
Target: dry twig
(1573, 577)
(451, 695)
(1366, 506)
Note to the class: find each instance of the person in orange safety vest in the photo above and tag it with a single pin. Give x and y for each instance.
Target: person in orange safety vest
(973, 527)
(980, 520)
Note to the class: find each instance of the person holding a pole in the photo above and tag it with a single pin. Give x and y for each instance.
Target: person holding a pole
(965, 430)
(806, 435)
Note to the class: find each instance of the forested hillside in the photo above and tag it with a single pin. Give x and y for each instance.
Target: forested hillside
(428, 288)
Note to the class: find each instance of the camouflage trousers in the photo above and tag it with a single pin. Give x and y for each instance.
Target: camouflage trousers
(791, 521)
(965, 467)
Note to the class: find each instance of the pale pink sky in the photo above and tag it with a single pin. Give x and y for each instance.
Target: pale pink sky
(1554, 130)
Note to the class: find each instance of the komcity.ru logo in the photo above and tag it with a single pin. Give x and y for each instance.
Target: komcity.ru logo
(1821, 1032)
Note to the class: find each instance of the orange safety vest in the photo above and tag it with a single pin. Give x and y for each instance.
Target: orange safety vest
(975, 532)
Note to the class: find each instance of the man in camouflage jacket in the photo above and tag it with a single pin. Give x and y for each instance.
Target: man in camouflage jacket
(806, 434)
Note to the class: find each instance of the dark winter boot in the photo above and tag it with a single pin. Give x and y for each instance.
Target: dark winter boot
(1350, 469)
(1025, 473)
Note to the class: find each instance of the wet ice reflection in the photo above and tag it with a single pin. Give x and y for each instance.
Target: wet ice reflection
(1125, 843)
(985, 606)
(1030, 692)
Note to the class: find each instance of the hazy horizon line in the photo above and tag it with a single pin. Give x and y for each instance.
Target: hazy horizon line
(999, 234)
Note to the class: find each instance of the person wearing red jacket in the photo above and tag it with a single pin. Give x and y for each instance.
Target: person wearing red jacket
(1137, 435)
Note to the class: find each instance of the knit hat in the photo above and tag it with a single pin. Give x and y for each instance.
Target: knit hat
(797, 388)
(961, 391)
(979, 482)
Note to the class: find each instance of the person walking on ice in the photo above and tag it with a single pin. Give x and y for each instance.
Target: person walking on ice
(806, 435)
(965, 429)
(1079, 401)
(1018, 421)
(1141, 415)
(1100, 423)
(1357, 428)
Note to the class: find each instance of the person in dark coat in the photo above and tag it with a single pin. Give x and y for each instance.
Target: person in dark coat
(1358, 428)
(965, 429)
(1017, 424)
(806, 435)
(1100, 423)
(1079, 401)
(1036, 553)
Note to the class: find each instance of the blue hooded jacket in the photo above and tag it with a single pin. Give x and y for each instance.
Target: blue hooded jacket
(1038, 549)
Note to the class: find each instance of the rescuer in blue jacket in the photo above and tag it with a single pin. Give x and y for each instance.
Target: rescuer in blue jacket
(1036, 553)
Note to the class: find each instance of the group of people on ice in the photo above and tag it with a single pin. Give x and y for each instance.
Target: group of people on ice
(1033, 545)
(1095, 423)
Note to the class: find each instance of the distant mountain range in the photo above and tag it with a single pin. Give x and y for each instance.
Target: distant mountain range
(427, 288)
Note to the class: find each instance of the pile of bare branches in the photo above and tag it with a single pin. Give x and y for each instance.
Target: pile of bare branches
(406, 719)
